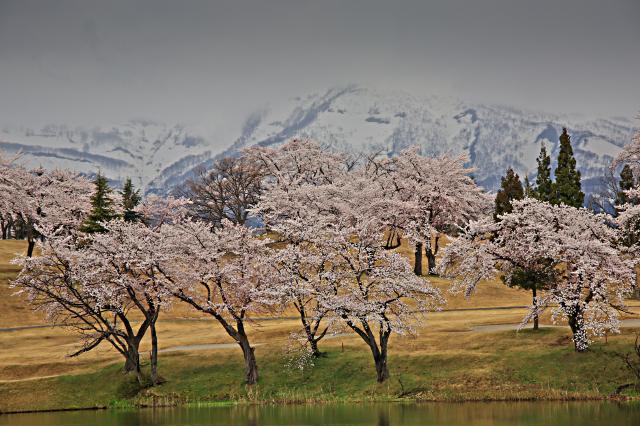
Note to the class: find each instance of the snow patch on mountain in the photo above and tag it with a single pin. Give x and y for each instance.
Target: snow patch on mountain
(494, 137)
(148, 152)
(159, 157)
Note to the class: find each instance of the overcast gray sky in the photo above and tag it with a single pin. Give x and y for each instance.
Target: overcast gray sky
(213, 62)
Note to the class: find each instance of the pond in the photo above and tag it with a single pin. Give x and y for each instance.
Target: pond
(467, 414)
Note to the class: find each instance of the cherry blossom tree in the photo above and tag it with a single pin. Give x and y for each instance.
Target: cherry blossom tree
(222, 273)
(296, 207)
(630, 154)
(375, 291)
(45, 202)
(125, 263)
(435, 194)
(341, 222)
(61, 283)
(303, 276)
(571, 250)
(629, 218)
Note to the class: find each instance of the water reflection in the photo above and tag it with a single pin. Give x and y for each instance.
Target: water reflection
(468, 414)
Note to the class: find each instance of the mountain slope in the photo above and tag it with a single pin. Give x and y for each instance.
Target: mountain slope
(494, 137)
(148, 152)
(159, 157)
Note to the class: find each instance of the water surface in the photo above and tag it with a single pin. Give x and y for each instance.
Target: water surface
(467, 414)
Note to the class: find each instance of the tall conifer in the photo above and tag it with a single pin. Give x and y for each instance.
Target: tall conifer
(626, 183)
(102, 207)
(130, 199)
(544, 185)
(567, 187)
(510, 189)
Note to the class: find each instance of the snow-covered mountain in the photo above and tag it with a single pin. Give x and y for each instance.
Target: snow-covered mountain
(158, 157)
(151, 154)
(494, 137)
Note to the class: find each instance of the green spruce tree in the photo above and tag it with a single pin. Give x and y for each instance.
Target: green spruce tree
(528, 189)
(626, 183)
(101, 207)
(544, 185)
(130, 199)
(567, 188)
(510, 189)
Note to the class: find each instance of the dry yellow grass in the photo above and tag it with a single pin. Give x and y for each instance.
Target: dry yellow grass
(39, 352)
(31, 355)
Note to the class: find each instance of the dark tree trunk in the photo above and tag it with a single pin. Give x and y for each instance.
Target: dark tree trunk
(382, 372)
(30, 247)
(311, 331)
(250, 364)
(431, 259)
(535, 304)
(576, 323)
(133, 359)
(133, 356)
(417, 269)
(380, 358)
(313, 343)
(393, 240)
(379, 352)
(154, 354)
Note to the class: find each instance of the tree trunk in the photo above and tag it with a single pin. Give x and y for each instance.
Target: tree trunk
(576, 323)
(535, 304)
(30, 247)
(382, 372)
(380, 359)
(154, 353)
(315, 352)
(133, 360)
(133, 356)
(431, 259)
(250, 364)
(417, 269)
(310, 331)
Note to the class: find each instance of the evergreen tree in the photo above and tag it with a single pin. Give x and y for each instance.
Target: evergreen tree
(631, 229)
(544, 184)
(510, 189)
(532, 280)
(528, 189)
(567, 188)
(626, 183)
(130, 199)
(102, 207)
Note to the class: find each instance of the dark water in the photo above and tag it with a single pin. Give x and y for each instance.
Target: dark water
(467, 414)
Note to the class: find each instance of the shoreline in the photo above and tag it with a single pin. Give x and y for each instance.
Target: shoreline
(214, 404)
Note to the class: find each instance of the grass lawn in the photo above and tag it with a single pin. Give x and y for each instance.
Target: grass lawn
(446, 361)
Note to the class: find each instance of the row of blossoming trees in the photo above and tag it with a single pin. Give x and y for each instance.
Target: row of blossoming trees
(332, 222)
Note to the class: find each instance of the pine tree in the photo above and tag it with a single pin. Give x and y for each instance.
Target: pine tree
(528, 189)
(510, 189)
(130, 199)
(102, 207)
(544, 184)
(567, 188)
(626, 183)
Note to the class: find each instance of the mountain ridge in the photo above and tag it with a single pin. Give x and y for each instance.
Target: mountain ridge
(160, 157)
